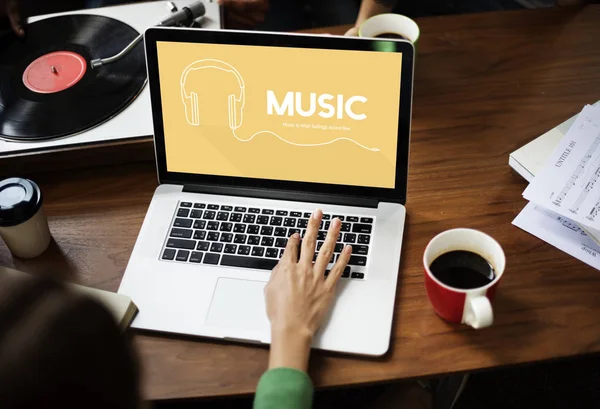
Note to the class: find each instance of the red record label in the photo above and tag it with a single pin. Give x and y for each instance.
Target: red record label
(54, 72)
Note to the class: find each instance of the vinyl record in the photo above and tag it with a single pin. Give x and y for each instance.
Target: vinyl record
(47, 86)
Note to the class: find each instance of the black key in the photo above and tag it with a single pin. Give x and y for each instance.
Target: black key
(280, 232)
(338, 248)
(182, 233)
(223, 216)
(230, 249)
(319, 245)
(182, 255)
(203, 246)
(337, 216)
(216, 247)
(362, 250)
(239, 239)
(327, 272)
(281, 253)
(212, 225)
(248, 262)
(183, 223)
(209, 215)
(199, 206)
(364, 239)
(281, 243)
(211, 258)
(262, 220)
(358, 275)
(296, 214)
(346, 272)
(267, 241)
(349, 238)
(302, 223)
(289, 222)
(267, 211)
(281, 212)
(361, 228)
(244, 250)
(292, 231)
(186, 204)
(327, 224)
(254, 210)
(358, 261)
(168, 254)
(226, 227)
(249, 218)
(196, 257)
(352, 219)
(368, 220)
(213, 207)
(199, 235)
(227, 208)
(199, 224)
(345, 226)
(226, 237)
(254, 229)
(235, 217)
(276, 221)
(307, 215)
(321, 225)
(183, 212)
(266, 230)
(181, 244)
(322, 234)
(239, 228)
(326, 217)
(258, 251)
(213, 236)
(271, 253)
(254, 240)
(240, 209)
(196, 214)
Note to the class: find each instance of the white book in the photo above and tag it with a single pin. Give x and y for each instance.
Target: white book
(121, 306)
(529, 159)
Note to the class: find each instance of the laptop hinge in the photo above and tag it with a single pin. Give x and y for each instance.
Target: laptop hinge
(294, 196)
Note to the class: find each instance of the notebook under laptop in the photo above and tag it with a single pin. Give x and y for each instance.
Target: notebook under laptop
(253, 132)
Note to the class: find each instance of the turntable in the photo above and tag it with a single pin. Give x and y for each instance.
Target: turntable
(52, 100)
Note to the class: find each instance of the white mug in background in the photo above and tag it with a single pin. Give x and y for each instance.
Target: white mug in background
(23, 225)
(390, 25)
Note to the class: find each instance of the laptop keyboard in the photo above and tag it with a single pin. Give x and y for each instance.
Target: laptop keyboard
(252, 237)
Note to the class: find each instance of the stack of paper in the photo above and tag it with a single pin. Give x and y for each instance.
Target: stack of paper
(565, 193)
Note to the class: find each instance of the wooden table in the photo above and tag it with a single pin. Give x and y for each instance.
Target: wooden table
(485, 85)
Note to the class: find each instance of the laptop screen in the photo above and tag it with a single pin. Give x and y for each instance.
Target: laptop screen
(278, 113)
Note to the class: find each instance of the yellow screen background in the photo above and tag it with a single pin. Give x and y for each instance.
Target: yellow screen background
(212, 149)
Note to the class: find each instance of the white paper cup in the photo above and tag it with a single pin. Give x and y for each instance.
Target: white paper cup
(390, 23)
(23, 225)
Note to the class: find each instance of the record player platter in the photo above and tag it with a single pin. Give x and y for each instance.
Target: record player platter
(49, 90)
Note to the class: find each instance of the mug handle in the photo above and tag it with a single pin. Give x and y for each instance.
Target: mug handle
(478, 312)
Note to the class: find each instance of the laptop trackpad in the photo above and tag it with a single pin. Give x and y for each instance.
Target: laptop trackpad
(238, 304)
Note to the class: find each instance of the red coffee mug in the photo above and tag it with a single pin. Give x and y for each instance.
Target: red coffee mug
(472, 306)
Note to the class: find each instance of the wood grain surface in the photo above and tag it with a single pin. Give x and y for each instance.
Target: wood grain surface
(485, 85)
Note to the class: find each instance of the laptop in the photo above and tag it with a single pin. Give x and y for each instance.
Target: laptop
(253, 132)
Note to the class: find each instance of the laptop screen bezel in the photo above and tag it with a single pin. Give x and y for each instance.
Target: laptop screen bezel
(252, 38)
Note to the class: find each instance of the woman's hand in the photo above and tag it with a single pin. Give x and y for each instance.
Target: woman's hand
(10, 9)
(298, 295)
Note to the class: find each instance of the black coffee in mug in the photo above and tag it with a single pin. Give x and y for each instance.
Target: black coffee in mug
(391, 35)
(462, 269)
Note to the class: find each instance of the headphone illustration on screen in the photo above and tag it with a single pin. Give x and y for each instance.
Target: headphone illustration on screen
(235, 104)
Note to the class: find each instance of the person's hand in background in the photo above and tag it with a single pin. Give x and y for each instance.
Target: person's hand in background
(298, 295)
(244, 14)
(9, 9)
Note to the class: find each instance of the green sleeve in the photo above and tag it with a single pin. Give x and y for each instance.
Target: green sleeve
(284, 388)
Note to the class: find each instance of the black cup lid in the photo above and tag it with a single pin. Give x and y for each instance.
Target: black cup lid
(20, 199)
